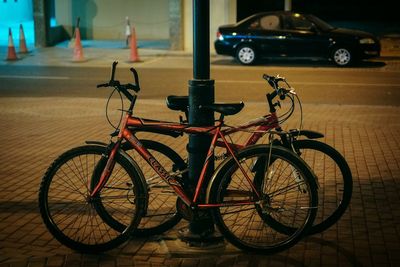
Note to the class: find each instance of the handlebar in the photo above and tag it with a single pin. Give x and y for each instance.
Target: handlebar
(274, 81)
(123, 87)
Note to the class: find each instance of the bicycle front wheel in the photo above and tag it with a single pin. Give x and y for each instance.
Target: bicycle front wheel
(72, 215)
(334, 179)
(273, 210)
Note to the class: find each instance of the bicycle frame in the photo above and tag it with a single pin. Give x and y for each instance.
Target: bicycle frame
(217, 135)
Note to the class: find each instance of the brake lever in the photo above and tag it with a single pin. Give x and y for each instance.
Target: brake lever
(113, 68)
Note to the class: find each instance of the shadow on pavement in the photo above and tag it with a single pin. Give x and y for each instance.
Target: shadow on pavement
(348, 255)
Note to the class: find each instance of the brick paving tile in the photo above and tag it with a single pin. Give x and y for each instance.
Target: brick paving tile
(20, 264)
(175, 262)
(36, 262)
(107, 263)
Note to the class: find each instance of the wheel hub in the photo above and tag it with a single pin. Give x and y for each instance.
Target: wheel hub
(246, 55)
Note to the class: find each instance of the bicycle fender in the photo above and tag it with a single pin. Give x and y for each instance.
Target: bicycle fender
(89, 142)
(307, 133)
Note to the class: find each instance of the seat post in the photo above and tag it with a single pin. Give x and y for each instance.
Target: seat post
(221, 117)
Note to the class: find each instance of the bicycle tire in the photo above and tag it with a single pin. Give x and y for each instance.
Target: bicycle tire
(238, 224)
(161, 212)
(334, 178)
(71, 215)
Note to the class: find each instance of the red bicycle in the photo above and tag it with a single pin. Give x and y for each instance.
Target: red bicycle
(263, 198)
(331, 169)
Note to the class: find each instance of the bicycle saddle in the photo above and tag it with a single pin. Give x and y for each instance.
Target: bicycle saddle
(180, 103)
(224, 109)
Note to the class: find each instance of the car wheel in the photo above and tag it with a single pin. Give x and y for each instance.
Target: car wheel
(342, 56)
(246, 55)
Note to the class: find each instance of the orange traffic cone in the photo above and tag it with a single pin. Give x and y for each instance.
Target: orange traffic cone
(134, 57)
(78, 50)
(22, 42)
(12, 55)
(73, 40)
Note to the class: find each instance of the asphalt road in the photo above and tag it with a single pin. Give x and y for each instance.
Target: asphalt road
(374, 83)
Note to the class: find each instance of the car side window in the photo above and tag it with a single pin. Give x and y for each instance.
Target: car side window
(269, 22)
(297, 22)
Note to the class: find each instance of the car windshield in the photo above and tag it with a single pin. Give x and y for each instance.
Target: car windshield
(246, 21)
(324, 26)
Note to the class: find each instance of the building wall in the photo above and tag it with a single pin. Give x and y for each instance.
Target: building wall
(221, 12)
(105, 19)
(11, 11)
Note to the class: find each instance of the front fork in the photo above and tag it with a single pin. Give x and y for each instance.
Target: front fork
(109, 155)
(286, 140)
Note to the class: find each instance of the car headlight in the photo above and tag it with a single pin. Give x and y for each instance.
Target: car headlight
(367, 41)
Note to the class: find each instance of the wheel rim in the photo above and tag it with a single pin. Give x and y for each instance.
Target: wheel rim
(246, 55)
(342, 56)
(71, 214)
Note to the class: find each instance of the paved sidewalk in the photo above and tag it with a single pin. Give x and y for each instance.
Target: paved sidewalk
(36, 130)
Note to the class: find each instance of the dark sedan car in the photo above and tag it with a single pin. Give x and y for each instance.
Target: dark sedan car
(289, 34)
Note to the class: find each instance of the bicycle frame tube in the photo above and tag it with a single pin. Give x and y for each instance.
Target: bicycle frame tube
(263, 125)
(157, 167)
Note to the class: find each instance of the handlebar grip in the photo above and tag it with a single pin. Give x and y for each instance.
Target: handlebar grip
(271, 80)
(266, 77)
(136, 76)
(114, 66)
(102, 85)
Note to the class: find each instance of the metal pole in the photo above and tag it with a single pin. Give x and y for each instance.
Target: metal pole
(201, 92)
(201, 39)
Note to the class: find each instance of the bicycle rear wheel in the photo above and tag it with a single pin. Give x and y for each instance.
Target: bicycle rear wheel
(72, 215)
(334, 179)
(161, 212)
(286, 199)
